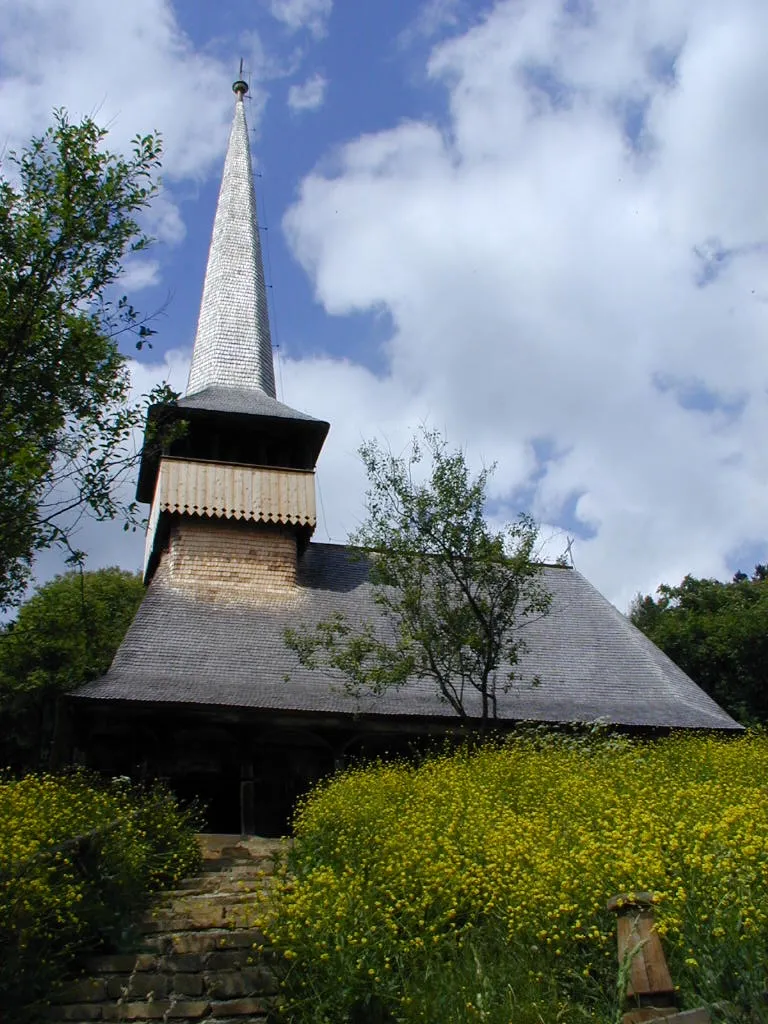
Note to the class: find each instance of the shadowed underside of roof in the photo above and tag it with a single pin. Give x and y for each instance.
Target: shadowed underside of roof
(590, 661)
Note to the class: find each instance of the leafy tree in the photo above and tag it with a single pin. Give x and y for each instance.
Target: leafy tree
(68, 217)
(63, 636)
(718, 633)
(452, 592)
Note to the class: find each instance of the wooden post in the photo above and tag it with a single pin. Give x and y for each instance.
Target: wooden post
(63, 737)
(247, 799)
(650, 991)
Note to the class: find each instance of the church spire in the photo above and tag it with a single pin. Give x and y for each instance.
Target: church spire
(233, 348)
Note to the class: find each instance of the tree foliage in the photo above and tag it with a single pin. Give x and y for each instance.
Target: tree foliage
(68, 218)
(453, 593)
(718, 634)
(63, 636)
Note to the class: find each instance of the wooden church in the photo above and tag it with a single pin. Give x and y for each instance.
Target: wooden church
(203, 690)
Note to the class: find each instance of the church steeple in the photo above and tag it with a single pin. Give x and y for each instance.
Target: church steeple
(239, 459)
(233, 347)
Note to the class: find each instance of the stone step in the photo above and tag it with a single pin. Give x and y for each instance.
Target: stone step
(195, 901)
(211, 881)
(212, 983)
(238, 867)
(233, 849)
(195, 957)
(240, 1010)
(152, 964)
(238, 888)
(205, 941)
(226, 887)
(205, 911)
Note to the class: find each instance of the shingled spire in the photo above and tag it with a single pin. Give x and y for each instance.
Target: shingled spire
(233, 348)
(240, 456)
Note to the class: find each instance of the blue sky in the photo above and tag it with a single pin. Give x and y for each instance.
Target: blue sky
(377, 55)
(538, 225)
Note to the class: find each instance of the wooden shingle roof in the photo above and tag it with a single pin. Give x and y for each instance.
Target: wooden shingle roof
(232, 345)
(592, 663)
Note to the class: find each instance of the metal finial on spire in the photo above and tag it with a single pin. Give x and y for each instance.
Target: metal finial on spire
(240, 87)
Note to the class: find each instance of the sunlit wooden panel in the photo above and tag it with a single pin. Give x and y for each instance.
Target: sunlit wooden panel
(236, 492)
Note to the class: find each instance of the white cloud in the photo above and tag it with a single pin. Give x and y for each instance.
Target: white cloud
(299, 14)
(538, 257)
(433, 17)
(310, 95)
(138, 274)
(172, 369)
(129, 66)
(163, 219)
(359, 405)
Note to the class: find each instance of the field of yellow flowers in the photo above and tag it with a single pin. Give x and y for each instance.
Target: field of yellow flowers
(472, 886)
(56, 896)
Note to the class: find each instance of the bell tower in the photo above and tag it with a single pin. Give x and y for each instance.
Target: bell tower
(233, 494)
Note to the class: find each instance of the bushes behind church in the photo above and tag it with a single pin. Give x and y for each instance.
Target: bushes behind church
(78, 858)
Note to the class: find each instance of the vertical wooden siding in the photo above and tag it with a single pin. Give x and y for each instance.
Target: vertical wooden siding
(228, 491)
(236, 492)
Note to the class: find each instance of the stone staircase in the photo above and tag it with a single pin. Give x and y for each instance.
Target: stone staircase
(194, 958)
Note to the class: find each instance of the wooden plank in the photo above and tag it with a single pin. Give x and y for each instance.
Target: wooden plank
(649, 1014)
(235, 491)
(700, 1016)
(650, 989)
(653, 973)
(666, 1015)
(648, 972)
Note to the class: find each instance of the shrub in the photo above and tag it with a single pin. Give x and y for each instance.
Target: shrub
(78, 858)
(473, 886)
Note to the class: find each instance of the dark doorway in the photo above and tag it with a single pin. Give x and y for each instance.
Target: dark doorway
(219, 794)
(286, 766)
